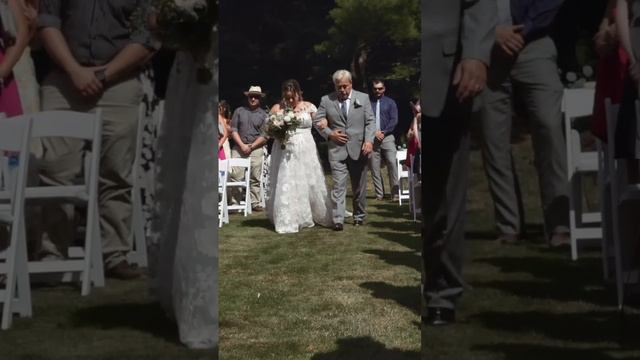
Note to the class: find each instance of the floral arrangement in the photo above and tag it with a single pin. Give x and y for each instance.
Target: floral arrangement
(187, 25)
(281, 125)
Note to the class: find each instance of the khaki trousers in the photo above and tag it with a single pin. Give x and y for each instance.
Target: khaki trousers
(61, 162)
(257, 157)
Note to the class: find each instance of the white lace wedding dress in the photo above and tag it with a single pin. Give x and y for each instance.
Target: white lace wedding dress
(183, 256)
(298, 196)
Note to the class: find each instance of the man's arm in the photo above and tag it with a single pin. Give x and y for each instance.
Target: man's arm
(14, 52)
(83, 78)
(369, 121)
(126, 61)
(479, 20)
(539, 16)
(320, 115)
(393, 118)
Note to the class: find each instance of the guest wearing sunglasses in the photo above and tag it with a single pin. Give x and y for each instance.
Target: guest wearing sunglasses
(246, 129)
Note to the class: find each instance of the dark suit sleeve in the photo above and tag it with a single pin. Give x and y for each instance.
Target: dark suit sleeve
(479, 21)
(393, 118)
(538, 17)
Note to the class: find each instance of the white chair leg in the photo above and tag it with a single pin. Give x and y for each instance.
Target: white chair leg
(97, 265)
(10, 284)
(138, 255)
(22, 274)
(574, 213)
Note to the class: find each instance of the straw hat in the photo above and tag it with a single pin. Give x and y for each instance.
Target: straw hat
(254, 90)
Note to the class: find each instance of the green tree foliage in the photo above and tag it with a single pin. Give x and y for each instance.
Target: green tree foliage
(379, 38)
(266, 42)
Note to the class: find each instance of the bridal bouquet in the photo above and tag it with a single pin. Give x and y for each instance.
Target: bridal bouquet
(187, 25)
(281, 125)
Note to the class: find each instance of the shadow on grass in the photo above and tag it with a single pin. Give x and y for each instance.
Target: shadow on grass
(586, 327)
(511, 351)
(410, 259)
(404, 226)
(146, 317)
(409, 241)
(556, 278)
(407, 296)
(393, 210)
(259, 222)
(365, 348)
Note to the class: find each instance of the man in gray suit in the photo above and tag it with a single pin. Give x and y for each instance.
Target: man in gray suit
(523, 64)
(457, 36)
(350, 132)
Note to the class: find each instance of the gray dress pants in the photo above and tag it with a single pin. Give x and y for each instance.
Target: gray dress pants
(532, 78)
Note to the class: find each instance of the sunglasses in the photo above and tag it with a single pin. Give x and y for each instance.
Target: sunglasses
(254, 96)
(378, 88)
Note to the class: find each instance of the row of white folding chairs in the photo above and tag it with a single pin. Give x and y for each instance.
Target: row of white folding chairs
(583, 226)
(87, 261)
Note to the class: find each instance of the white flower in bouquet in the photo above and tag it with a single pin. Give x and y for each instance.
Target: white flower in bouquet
(281, 125)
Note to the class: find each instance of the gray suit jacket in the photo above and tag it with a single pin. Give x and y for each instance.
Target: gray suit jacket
(452, 30)
(359, 124)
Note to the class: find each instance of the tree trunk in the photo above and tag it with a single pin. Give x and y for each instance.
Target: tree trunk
(359, 66)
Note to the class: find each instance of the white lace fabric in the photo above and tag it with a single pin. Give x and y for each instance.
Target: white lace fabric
(298, 196)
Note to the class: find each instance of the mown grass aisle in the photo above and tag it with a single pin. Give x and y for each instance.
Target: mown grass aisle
(529, 302)
(321, 294)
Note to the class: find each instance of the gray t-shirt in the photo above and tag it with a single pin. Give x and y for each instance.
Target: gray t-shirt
(248, 123)
(95, 30)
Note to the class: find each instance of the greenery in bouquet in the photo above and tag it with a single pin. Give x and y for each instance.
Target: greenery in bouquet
(186, 25)
(281, 125)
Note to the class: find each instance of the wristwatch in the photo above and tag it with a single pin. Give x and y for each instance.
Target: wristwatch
(101, 76)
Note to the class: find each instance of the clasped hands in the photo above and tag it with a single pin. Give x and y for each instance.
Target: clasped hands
(85, 80)
(470, 76)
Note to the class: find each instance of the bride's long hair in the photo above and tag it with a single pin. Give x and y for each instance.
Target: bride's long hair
(293, 86)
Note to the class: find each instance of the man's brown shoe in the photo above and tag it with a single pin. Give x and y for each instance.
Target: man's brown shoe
(123, 271)
(257, 209)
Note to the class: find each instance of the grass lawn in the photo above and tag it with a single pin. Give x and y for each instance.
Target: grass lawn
(321, 294)
(325, 295)
(119, 321)
(528, 301)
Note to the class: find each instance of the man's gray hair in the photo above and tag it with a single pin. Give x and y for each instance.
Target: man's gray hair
(341, 74)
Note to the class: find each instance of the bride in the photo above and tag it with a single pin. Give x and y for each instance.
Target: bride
(298, 195)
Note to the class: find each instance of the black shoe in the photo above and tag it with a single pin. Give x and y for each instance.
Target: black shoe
(357, 222)
(438, 316)
(338, 227)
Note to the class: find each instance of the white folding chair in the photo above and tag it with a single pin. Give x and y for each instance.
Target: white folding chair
(583, 225)
(137, 236)
(14, 146)
(403, 177)
(223, 211)
(243, 184)
(85, 261)
(414, 190)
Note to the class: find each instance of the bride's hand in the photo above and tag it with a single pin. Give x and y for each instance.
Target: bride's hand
(322, 124)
